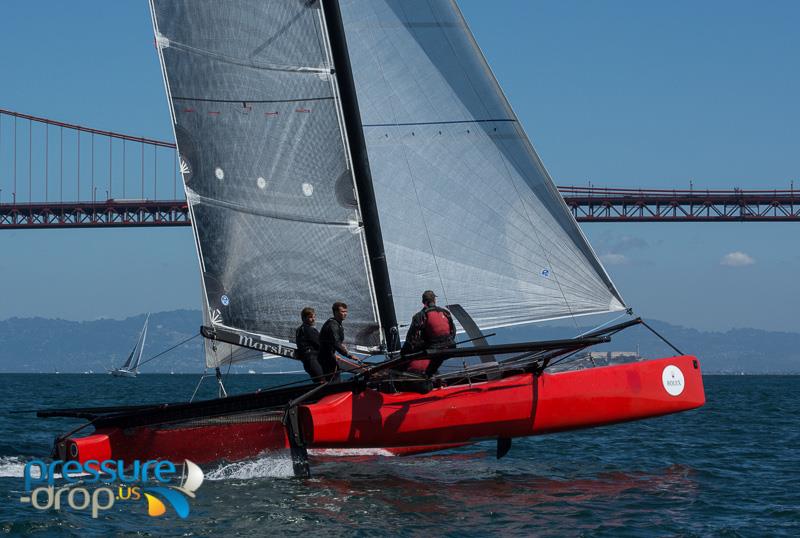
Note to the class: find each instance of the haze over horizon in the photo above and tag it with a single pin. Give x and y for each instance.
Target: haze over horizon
(621, 95)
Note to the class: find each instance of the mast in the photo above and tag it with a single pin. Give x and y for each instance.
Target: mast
(361, 171)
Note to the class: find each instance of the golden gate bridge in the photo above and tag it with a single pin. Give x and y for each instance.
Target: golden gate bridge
(60, 175)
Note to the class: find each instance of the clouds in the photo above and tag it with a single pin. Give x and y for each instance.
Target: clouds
(614, 249)
(737, 259)
(614, 259)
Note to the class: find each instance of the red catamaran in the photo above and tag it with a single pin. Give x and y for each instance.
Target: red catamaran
(362, 150)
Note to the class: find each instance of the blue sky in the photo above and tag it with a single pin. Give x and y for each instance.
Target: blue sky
(622, 94)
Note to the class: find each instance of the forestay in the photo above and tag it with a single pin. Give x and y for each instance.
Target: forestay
(466, 206)
(265, 165)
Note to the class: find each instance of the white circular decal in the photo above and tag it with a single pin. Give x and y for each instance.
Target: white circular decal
(261, 182)
(225, 300)
(673, 381)
(308, 189)
(220, 173)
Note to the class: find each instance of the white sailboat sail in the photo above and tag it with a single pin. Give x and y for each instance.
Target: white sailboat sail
(265, 164)
(466, 206)
(264, 121)
(140, 344)
(131, 366)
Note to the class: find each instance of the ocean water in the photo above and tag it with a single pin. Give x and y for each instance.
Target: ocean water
(731, 468)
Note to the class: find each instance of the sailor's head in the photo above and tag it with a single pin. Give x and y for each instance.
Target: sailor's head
(339, 311)
(428, 298)
(308, 315)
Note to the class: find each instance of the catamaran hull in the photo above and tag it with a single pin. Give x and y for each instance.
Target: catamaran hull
(210, 443)
(408, 423)
(517, 406)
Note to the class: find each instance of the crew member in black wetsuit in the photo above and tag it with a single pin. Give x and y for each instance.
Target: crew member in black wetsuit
(307, 340)
(331, 340)
(431, 328)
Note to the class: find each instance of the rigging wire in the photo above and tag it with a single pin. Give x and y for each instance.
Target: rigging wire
(170, 349)
(652, 330)
(628, 312)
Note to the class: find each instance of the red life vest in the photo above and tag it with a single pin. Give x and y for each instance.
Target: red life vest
(437, 325)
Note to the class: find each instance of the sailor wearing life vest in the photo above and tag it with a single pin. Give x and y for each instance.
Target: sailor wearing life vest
(431, 328)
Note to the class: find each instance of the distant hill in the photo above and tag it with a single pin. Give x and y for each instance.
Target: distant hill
(49, 345)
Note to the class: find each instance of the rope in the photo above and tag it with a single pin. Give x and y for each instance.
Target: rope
(202, 377)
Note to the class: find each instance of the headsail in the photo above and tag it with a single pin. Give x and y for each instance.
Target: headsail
(265, 164)
(466, 206)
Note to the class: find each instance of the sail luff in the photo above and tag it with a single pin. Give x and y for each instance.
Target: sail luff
(205, 306)
(361, 170)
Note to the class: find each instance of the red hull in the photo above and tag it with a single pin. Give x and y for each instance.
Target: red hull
(516, 406)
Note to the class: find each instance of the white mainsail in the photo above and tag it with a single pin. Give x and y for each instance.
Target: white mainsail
(265, 164)
(465, 206)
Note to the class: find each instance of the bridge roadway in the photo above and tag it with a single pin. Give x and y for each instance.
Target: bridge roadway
(587, 205)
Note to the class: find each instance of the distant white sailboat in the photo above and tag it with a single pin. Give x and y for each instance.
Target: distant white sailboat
(131, 366)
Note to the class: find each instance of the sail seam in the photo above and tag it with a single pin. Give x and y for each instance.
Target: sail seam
(450, 122)
(248, 101)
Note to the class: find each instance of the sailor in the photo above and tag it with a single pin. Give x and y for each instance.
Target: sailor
(307, 340)
(331, 340)
(431, 328)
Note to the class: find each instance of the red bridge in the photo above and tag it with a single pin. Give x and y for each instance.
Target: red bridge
(594, 204)
(59, 175)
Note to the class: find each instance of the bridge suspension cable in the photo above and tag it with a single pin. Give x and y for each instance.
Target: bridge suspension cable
(79, 153)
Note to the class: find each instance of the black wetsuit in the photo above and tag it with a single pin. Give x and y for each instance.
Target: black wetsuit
(331, 339)
(307, 339)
